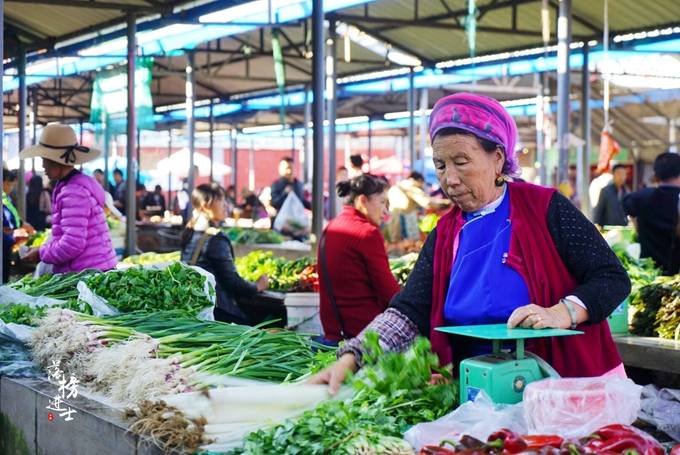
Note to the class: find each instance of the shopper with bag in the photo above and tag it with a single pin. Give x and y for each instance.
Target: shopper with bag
(282, 188)
(356, 283)
(80, 236)
(204, 245)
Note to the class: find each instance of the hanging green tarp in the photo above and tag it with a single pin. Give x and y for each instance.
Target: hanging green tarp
(108, 107)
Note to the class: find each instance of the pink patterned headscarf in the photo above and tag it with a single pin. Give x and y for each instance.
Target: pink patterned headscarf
(482, 116)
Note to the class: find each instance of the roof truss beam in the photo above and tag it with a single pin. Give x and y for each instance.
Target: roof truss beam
(91, 4)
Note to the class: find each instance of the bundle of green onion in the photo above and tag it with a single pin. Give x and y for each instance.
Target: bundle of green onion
(219, 348)
(58, 286)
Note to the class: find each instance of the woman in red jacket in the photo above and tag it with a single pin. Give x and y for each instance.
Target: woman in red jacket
(356, 281)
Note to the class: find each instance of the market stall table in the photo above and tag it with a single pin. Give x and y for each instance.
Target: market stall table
(649, 353)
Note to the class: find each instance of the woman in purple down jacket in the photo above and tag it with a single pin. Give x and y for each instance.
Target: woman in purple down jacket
(80, 235)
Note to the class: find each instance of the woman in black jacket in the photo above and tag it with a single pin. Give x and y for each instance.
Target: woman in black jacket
(207, 247)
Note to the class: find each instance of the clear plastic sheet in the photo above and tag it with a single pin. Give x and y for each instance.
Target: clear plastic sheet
(661, 408)
(574, 407)
(477, 418)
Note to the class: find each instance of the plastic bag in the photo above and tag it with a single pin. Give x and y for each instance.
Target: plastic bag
(17, 332)
(477, 418)
(574, 407)
(292, 216)
(661, 408)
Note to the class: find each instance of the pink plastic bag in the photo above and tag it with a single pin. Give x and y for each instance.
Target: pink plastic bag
(576, 407)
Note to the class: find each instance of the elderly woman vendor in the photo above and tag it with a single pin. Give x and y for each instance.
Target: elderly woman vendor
(508, 252)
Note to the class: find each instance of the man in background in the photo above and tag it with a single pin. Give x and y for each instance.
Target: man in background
(286, 183)
(655, 214)
(609, 209)
(119, 191)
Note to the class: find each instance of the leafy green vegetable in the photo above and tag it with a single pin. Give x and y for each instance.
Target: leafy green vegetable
(401, 267)
(242, 236)
(59, 286)
(152, 258)
(20, 313)
(392, 392)
(137, 289)
(657, 309)
(284, 274)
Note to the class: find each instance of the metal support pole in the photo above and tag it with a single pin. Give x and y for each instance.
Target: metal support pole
(370, 142)
(212, 142)
(412, 119)
(21, 181)
(424, 104)
(107, 154)
(131, 201)
(251, 166)
(139, 157)
(34, 123)
(306, 161)
(585, 131)
(563, 40)
(332, 114)
(234, 158)
(169, 169)
(317, 108)
(190, 88)
(540, 125)
(2, 136)
(672, 135)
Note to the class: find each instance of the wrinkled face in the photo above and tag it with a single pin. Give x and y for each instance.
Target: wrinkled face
(620, 176)
(466, 172)
(286, 170)
(52, 169)
(375, 207)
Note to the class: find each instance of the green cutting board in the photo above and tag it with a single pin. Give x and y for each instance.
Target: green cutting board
(502, 332)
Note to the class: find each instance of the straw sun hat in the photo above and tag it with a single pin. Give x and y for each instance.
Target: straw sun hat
(59, 143)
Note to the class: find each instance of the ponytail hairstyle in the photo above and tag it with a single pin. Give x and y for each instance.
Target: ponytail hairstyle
(366, 184)
(202, 196)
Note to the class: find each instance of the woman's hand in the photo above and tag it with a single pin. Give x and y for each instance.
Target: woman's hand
(32, 256)
(262, 283)
(335, 374)
(536, 317)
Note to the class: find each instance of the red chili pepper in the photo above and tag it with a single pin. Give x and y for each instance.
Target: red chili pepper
(675, 450)
(536, 442)
(507, 440)
(623, 439)
(436, 450)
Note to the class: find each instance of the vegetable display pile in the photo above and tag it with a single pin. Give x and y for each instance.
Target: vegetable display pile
(657, 309)
(140, 356)
(137, 289)
(38, 239)
(20, 313)
(284, 275)
(402, 267)
(608, 440)
(59, 286)
(152, 258)
(392, 392)
(242, 236)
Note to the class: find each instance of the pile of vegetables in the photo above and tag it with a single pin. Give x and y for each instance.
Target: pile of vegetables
(138, 289)
(152, 258)
(58, 286)
(610, 440)
(402, 267)
(657, 309)
(21, 313)
(391, 393)
(38, 239)
(140, 356)
(284, 275)
(242, 236)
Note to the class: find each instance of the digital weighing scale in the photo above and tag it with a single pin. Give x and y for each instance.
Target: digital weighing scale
(503, 375)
